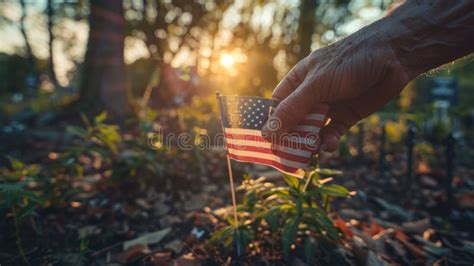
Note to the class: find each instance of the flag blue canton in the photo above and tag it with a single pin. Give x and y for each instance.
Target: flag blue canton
(245, 112)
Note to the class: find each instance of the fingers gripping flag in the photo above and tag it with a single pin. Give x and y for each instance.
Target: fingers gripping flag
(243, 118)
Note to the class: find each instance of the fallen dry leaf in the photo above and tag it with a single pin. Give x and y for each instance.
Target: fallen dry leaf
(341, 224)
(187, 260)
(137, 250)
(414, 249)
(373, 228)
(401, 236)
(147, 239)
(160, 258)
(88, 231)
(416, 227)
(374, 259)
(465, 200)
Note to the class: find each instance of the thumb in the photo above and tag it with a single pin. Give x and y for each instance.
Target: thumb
(288, 113)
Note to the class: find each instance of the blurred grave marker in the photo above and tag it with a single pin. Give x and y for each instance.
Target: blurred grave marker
(410, 145)
(443, 95)
(31, 83)
(444, 91)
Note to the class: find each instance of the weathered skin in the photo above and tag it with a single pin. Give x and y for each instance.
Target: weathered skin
(358, 75)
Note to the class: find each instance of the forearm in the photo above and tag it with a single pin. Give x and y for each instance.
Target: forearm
(427, 34)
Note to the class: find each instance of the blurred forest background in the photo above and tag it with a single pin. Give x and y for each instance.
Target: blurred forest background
(155, 65)
(163, 53)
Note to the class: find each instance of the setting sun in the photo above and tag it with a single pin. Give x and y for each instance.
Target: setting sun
(227, 60)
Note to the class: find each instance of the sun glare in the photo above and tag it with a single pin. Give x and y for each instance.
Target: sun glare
(227, 60)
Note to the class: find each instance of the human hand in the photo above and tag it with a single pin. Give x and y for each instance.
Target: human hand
(356, 76)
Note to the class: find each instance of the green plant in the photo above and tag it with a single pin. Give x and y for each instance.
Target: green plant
(143, 155)
(97, 133)
(26, 188)
(96, 141)
(295, 216)
(97, 148)
(102, 142)
(15, 196)
(138, 160)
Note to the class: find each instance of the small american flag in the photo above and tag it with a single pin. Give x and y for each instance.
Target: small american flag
(243, 118)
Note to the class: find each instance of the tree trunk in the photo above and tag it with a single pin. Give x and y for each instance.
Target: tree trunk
(307, 23)
(51, 71)
(103, 75)
(29, 51)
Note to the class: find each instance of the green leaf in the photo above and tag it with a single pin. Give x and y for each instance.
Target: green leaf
(312, 224)
(321, 218)
(243, 237)
(291, 181)
(328, 172)
(288, 207)
(310, 246)
(231, 220)
(85, 120)
(16, 186)
(334, 190)
(16, 164)
(310, 195)
(28, 212)
(314, 175)
(281, 193)
(101, 117)
(80, 132)
(222, 234)
(250, 198)
(272, 216)
(289, 234)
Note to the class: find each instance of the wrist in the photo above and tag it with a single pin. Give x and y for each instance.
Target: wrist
(427, 34)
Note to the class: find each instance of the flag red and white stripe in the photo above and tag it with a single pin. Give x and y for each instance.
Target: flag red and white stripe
(290, 155)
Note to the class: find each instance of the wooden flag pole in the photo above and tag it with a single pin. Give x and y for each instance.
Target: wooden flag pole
(231, 176)
(232, 191)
